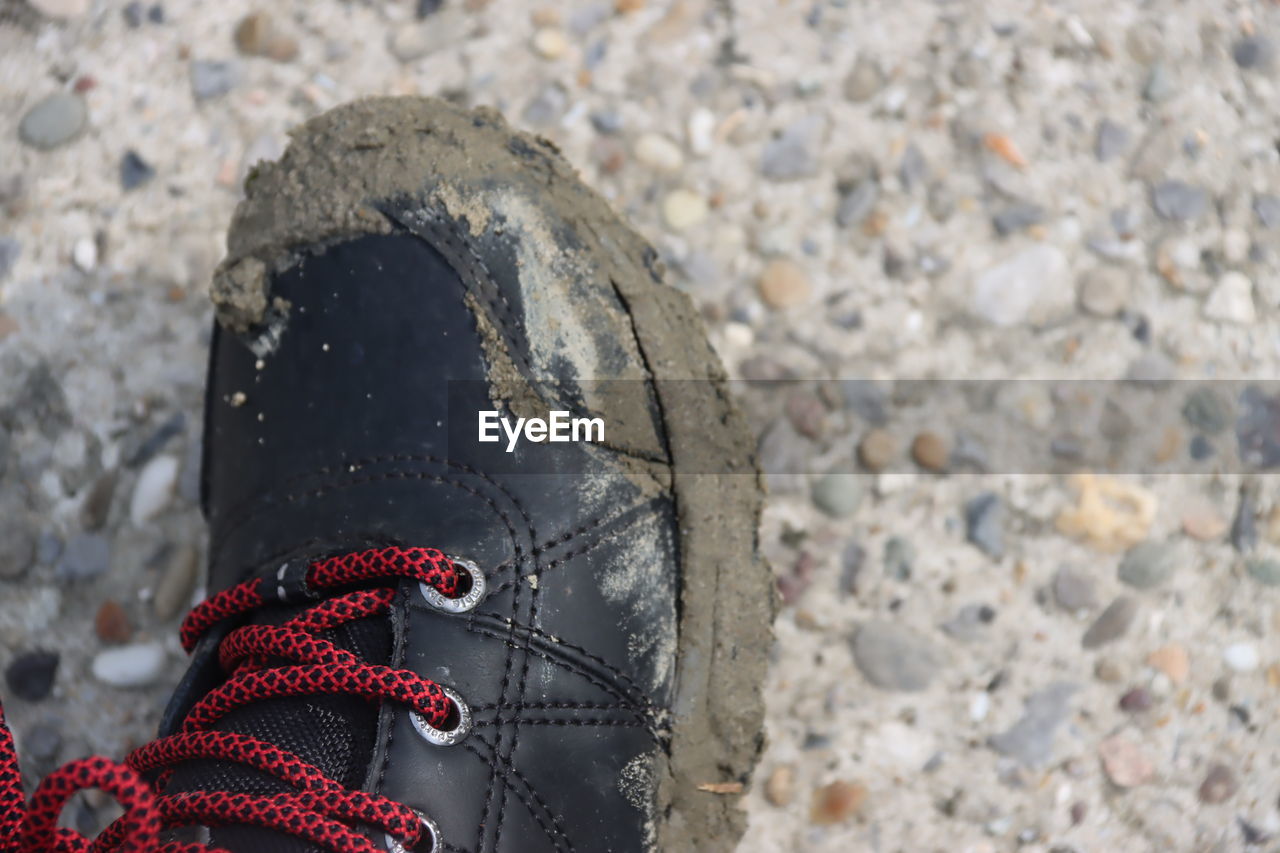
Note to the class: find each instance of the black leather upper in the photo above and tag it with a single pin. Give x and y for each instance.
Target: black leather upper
(339, 437)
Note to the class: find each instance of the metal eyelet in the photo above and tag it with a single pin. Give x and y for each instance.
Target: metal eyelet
(464, 603)
(433, 832)
(441, 737)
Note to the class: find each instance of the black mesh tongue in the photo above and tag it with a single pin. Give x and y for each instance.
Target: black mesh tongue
(334, 733)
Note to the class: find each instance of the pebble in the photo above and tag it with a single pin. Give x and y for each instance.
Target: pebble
(658, 153)
(257, 35)
(1148, 564)
(1231, 300)
(607, 122)
(84, 254)
(138, 665)
(784, 284)
(930, 451)
(17, 546)
(780, 789)
(154, 489)
(550, 43)
(864, 81)
(979, 706)
(112, 624)
(893, 657)
(1178, 201)
(30, 675)
(1105, 291)
(1030, 740)
(1111, 141)
(913, 170)
(1124, 762)
(174, 589)
(1108, 670)
(1161, 85)
(1137, 700)
(1172, 660)
(700, 130)
(1206, 410)
(1241, 657)
(1264, 570)
(807, 414)
(1253, 52)
(684, 209)
(1074, 590)
(837, 801)
(793, 153)
(1219, 785)
(211, 78)
(10, 251)
(1018, 216)
(877, 449)
(53, 121)
(1267, 209)
(134, 171)
(63, 9)
(837, 494)
(42, 741)
(984, 524)
(899, 557)
(133, 14)
(1111, 624)
(970, 622)
(97, 502)
(1030, 286)
(86, 556)
(547, 106)
(1204, 525)
(1244, 527)
(852, 559)
(856, 205)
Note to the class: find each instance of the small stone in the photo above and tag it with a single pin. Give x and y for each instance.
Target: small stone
(134, 171)
(53, 121)
(658, 153)
(1253, 52)
(30, 675)
(979, 706)
(1105, 291)
(1124, 762)
(1204, 525)
(61, 9)
(547, 106)
(1264, 570)
(257, 35)
(17, 546)
(550, 43)
(112, 623)
(837, 494)
(1030, 740)
(913, 170)
(1244, 527)
(1148, 564)
(780, 789)
(1241, 657)
(864, 81)
(1108, 670)
(153, 490)
(792, 154)
(138, 665)
(856, 205)
(211, 79)
(851, 560)
(84, 254)
(893, 657)
(133, 14)
(86, 556)
(701, 130)
(930, 451)
(837, 802)
(899, 557)
(1161, 85)
(1032, 285)
(1207, 411)
(1018, 216)
(1111, 140)
(97, 503)
(877, 449)
(607, 122)
(684, 209)
(784, 284)
(1219, 785)
(984, 524)
(1111, 624)
(1231, 301)
(1137, 700)
(174, 590)
(42, 742)
(1172, 660)
(1267, 209)
(1074, 590)
(970, 623)
(1178, 201)
(156, 14)
(10, 251)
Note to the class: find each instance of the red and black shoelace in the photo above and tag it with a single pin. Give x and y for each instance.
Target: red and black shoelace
(317, 809)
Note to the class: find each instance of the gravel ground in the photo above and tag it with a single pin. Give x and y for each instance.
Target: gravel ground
(972, 655)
